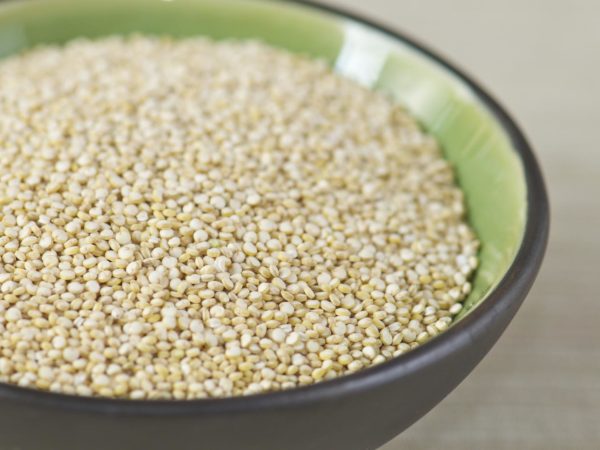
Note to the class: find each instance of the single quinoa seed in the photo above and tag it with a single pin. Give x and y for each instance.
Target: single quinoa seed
(189, 219)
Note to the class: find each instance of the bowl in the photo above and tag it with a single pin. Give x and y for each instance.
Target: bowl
(494, 165)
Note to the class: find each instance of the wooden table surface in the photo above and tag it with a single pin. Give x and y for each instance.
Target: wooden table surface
(539, 388)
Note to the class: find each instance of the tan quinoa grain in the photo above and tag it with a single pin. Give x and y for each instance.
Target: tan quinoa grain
(188, 219)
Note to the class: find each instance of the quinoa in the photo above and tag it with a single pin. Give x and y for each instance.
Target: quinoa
(188, 219)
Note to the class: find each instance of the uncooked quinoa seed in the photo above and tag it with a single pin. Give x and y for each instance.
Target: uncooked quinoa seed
(188, 219)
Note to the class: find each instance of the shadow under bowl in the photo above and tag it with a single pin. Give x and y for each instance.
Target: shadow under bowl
(494, 165)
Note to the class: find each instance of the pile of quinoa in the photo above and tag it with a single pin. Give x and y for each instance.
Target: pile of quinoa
(189, 219)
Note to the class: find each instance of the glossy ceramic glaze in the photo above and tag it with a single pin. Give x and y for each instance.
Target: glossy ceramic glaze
(494, 166)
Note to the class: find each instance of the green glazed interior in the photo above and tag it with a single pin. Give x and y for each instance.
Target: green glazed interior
(487, 167)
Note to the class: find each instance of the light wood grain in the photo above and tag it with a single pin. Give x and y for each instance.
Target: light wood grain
(539, 388)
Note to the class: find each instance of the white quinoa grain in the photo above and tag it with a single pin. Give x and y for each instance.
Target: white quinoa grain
(12, 315)
(58, 342)
(70, 354)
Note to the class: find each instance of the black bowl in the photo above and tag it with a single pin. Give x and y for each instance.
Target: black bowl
(357, 412)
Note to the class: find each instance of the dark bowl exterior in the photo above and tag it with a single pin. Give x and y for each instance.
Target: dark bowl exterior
(357, 412)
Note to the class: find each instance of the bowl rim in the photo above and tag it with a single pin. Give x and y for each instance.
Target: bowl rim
(507, 294)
